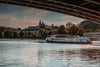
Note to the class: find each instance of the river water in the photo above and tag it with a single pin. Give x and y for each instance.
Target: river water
(36, 53)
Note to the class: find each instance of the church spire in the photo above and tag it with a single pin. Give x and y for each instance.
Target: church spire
(40, 22)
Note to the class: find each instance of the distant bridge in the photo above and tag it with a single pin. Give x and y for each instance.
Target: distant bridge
(86, 9)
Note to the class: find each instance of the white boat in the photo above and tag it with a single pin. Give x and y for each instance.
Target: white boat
(67, 39)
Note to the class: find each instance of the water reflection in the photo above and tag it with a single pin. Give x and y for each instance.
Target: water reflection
(30, 54)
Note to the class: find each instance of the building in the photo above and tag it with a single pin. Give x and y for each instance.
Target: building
(41, 24)
(44, 26)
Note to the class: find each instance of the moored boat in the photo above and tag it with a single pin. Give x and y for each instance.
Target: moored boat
(68, 39)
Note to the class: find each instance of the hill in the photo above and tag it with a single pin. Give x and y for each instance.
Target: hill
(91, 25)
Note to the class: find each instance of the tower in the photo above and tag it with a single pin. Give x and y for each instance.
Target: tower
(40, 22)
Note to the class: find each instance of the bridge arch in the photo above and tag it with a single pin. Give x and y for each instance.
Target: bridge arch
(86, 9)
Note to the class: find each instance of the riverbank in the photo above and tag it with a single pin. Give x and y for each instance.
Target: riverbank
(29, 40)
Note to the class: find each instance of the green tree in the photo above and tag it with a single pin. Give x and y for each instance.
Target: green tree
(45, 34)
(88, 30)
(11, 34)
(73, 30)
(16, 34)
(29, 33)
(41, 31)
(3, 29)
(61, 30)
(26, 33)
(34, 35)
(7, 34)
(81, 31)
(2, 34)
(68, 25)
(0, 30)
(22, 34)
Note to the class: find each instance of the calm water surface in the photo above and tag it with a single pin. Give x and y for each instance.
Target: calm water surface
(34, 53)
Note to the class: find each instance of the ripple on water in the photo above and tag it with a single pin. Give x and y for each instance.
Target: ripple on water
(33, 54)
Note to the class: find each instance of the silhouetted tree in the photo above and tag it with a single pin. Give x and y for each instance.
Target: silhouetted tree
(81, 31)
(76, 30)
(3, 29)
(7, 34)
(16, 34)
(26, 33)
(68, 25)
(61, 30)
(2, 34)
(11, 34)
(22, 34)
(45, 34)
(34, 35)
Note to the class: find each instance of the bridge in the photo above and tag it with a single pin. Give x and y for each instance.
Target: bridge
(86, 9)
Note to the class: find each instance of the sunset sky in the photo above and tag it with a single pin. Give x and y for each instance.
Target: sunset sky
(18, 16)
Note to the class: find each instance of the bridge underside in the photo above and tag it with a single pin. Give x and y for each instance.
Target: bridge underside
(86, 9)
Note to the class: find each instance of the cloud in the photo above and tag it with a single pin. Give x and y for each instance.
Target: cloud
(6, 18)
(30, 22)
(71, 17)
(35, 11)
(12, 19)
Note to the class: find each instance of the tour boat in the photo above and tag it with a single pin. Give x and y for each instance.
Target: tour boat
(68, 39)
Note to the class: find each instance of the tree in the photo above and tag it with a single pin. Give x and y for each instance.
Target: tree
(81, 31)
(2, 34)
(76, 30)
(11, 34)
(22, 34)
(19, 29)
(61, 30)
(3, 29)
(73, 30)
(97, 30)
(34, 35)
(26, 33)
(0, 30)
(45, 34)
(41, 31)
(68, 25)
(88, 30)
(29, 33)
(7, 33)
(16, 34)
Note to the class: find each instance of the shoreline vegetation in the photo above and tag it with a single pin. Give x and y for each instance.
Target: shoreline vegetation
(70, 29)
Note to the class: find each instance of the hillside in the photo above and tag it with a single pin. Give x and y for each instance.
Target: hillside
(88, 24)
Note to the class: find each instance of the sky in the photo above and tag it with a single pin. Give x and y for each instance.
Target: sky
(23, 17)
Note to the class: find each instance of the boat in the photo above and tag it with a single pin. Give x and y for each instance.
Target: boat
(61, 38)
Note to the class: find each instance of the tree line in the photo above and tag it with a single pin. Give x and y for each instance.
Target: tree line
(70, 29)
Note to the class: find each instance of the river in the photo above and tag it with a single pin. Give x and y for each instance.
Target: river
(37, 53)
